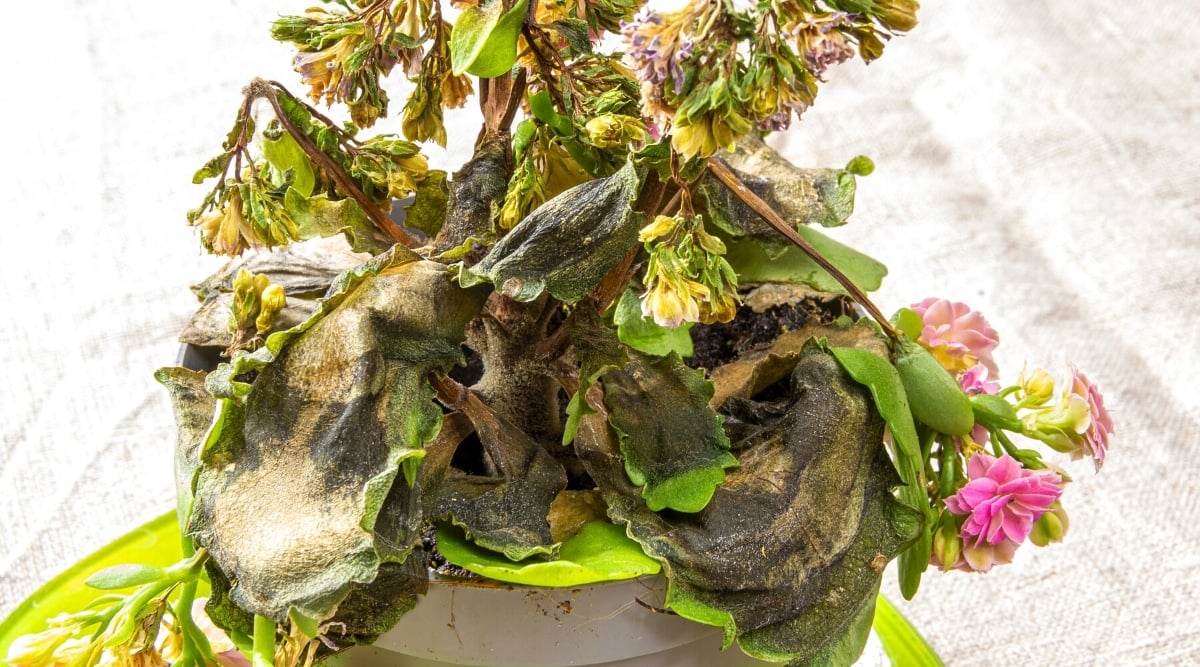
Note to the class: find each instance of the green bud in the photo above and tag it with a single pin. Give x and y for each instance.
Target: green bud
(1050, 527)
(946, 544)
(934, 396)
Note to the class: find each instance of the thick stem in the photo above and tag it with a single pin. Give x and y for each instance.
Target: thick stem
(516, 382)
(724, 174)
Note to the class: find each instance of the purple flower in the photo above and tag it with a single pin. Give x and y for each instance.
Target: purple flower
(958, 337)
(1002, 500)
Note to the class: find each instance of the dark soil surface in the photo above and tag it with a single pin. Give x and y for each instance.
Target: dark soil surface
(717, 344)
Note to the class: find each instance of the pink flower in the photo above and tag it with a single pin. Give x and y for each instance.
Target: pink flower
(980, 557)
(1095, 437)
(1002, 500)
(958, 337)
(974, 381)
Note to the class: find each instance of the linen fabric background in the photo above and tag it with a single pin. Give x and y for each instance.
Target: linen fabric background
(1035, 159)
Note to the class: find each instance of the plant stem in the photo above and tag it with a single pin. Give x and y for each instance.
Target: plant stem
(264, 642)
(724, 174)
(269, 90)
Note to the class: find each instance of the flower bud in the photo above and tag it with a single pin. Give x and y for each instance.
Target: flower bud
(271, 302)
(1050, 527)
(1038, 385)
(947, 546)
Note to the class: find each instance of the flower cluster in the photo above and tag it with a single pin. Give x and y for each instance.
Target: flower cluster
(687, 278)
(713, 73)
(992, 496)
(343, 56)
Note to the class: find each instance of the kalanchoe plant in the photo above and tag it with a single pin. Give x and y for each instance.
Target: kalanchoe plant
(617, 321)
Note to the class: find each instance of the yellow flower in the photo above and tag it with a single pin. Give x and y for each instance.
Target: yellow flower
(612, 130)
(704, 136)
(661, 226)
(1038, 386)
(272, 301)
(324, 71)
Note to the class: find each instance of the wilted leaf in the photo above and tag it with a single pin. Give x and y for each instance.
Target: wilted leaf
(319, 217)
(801, 196)
(304, 270)
(672, 442)
(193, 407)
(290, 501)
(789, 553)
(507, 512)
(428, 210)
(568, 244)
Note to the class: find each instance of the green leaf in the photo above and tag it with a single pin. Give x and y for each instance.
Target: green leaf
(124, 576)
(878, 374)
(428, 210)
(935, 397)
(311, 627)
(567, 245)
(600, 551)
(285, 154)
(908, 322)
(902, 644)
(318, 216)
(644, 334)
(756, 260)
(484, 39)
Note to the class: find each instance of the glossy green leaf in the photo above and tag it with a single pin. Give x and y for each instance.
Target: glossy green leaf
(644, 334)
(484, 39)
(756, 260)
(883, 380)
(600, 551)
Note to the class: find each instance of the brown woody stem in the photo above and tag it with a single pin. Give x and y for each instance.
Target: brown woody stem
(731, 180)
(268, 90)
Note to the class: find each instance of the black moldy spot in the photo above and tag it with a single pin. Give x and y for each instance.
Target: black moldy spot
(717, 344)
(438, 562)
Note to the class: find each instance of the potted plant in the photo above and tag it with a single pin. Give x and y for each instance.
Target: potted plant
(610, 345)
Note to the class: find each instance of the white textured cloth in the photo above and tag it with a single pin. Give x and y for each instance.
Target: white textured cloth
(1034, 159)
